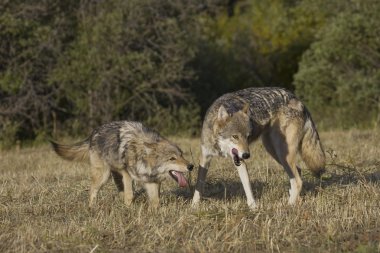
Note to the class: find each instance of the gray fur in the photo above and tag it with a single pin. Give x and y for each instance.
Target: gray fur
(130, 151)
(276, 115)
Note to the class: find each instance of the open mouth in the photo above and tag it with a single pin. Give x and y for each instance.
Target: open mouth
(179, 178)
(237, 160)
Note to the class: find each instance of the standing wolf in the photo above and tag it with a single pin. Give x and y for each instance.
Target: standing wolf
(236, 119)
(131, 152)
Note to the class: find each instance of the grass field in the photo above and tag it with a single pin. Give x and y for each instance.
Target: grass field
(43, 206)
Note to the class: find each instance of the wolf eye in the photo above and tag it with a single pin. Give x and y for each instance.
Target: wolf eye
(235, 137)
(172, 158)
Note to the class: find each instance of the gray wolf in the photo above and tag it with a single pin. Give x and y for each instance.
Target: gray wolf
(286, 128)
(129, 151)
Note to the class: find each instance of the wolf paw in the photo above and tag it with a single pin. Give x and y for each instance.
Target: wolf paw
(194, 204)
(252, 206)
(196, 199)
(293, 197)
(128, 202)
(292, 200)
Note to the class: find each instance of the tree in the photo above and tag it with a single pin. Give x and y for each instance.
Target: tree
(339, 75)
(77, 64)
(32, 36)
(129, 61)
(259, 43)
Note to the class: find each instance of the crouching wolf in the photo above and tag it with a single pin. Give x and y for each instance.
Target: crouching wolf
(129, 151)
(236, 119)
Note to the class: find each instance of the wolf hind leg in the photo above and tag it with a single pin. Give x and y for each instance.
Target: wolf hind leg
(204, 164)
(285, 143)
(99, 175)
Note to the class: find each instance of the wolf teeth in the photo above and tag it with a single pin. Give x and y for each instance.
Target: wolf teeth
(237, 161)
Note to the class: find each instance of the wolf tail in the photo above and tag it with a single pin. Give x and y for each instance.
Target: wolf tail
(311, 148)
(75, 152)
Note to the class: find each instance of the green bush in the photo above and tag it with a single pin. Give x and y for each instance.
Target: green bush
(128, 62)
(69, 66)
(179, 121)
(339, 75)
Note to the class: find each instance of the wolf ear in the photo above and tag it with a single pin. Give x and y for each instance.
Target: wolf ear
(222, 113)
(245, 108)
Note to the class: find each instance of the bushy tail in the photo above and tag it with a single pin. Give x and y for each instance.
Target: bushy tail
(311, 148)
(75, 152)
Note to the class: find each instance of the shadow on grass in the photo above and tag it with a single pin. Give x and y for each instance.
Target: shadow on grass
(341, 176)
(229, 189)
(223, 189)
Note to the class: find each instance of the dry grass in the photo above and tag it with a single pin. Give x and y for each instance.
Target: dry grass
(43, 206)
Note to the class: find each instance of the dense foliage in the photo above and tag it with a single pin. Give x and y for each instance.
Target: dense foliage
(339, 76)
(68, 66)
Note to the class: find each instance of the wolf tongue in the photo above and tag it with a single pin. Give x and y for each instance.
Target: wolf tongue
(182, 182)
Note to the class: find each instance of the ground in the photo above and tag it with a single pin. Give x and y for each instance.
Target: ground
(44, 205)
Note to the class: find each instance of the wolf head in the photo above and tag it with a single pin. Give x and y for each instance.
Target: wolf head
(167, 160)
(232, 133)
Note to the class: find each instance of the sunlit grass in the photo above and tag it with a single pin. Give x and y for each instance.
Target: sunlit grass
(43, 206)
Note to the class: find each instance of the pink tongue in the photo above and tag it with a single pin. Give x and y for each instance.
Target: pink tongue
(235, 151)
(181, 179)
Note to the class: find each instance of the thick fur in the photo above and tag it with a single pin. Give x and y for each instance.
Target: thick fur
(77, 152)
(129, 151)
(311, 148)
(237, 119)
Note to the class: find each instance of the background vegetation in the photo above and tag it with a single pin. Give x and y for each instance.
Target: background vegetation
(68, 66)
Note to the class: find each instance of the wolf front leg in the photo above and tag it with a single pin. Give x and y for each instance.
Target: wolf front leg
(153, 191)
(204, 164)
(99, 174)
(243, 174)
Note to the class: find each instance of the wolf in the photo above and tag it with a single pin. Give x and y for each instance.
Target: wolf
(129, 151)
(286, 128)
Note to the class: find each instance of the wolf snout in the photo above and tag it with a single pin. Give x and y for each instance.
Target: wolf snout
(246, 155)
(190, 167)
